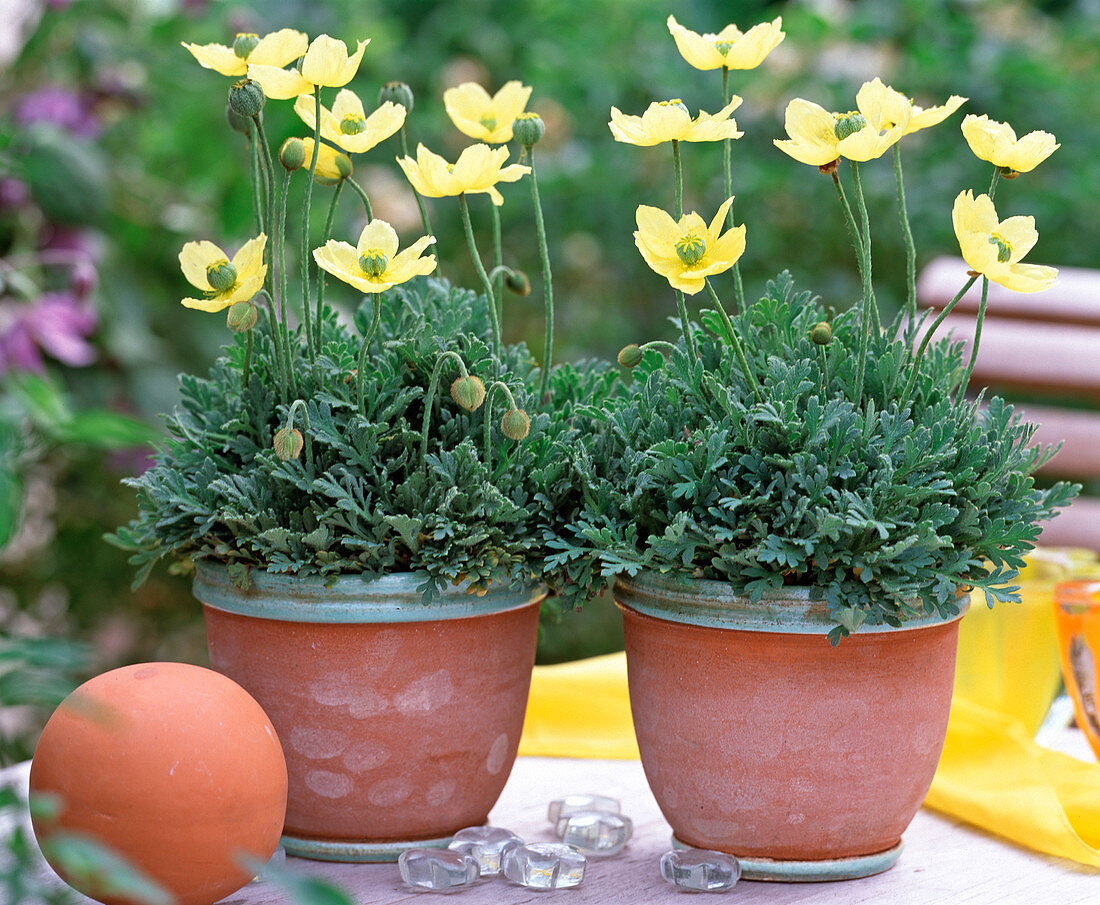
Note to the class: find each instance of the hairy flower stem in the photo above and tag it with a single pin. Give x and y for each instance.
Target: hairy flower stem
(824, 369)
(247, 362)
(850, 221)
(685, 323)
(498, 261)
(659, 345)
(738, 287)
(735, 341)
(910, 250)
(362, 197)
(993, 183)
(276, 338)
(361, 371)
(869, 319)
(269, 167)
(321, 277)
(429, 400)
(425, 219)
(493, 387)
(310, 345)
(494, 321)
(977, 338)
(299, 405)
(281, 279)
(259, 183)
(547, 279)
(948, 308)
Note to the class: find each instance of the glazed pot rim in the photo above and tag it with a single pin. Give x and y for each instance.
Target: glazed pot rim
(350, 598)
(709, 603)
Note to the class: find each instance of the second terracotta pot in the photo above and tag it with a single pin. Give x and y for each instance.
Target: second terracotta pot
(400, 722)
(760, 739)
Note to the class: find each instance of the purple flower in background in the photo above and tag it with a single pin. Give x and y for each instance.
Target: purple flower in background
(56, 323)
(57, 105)
(14, 193)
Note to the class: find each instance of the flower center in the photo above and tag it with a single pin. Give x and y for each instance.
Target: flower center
(1004, 247)
(691, 249)
(723, 47)
(221, 275)
(244, 44)
(675, 102)
(848, 124)
(373, 262)
(488, 121)
(352, 124)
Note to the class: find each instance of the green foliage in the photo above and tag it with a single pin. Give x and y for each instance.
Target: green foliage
(890, 507)
(362, 498)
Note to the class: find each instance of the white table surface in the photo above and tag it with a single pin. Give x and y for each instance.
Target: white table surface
(945, 862)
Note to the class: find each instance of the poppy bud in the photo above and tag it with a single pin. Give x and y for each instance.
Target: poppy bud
(468, 392)
(292, 155)
(515, 424)
(288, 443)
(517, 282)
(396, 93)
(246, 97)
(241, 317)
(528, 128)
(630, 356)
(238, 123)
(822, 333)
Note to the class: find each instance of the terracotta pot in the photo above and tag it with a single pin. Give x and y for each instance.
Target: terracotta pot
(760, 739)
(1077, 617)
(400, 722)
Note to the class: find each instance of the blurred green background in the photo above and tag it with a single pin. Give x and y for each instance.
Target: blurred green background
(114, 151)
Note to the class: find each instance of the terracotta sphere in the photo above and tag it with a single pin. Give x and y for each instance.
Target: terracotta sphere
(173, 767)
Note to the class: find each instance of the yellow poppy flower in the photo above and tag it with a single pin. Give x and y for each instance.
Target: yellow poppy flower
(375, 264)
(346, 124)
(932, 116)
(997, 143)
(332, 166)
(994, 248)
(731, 47)
(686, 252)
(325, 64)
(671, 121)
(818, 137)
(478, 169)
(488, 119)
(276, 49)
(223, 281)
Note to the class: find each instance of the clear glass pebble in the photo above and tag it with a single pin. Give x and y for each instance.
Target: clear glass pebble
(700, 871)
(595, 832)
(438, 869)
(571, 804)
(544, 865)
(487, 844)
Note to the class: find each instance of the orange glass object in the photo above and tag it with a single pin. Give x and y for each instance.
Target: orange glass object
(1077, 617)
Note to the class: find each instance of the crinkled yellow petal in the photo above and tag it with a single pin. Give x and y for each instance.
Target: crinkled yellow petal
(510, 101)
(496, 197)
(869, 144)
(211, 305)
(380, 125)
(810, 127)
(218, 57)
(627, 129)
(923, 118)
(347, 103)
(250, 257)
(378, 235)
(513, 172)
(665, 122)
(248, 285)
(326, 159)
(688, 282)
(659, 263)
(327, 63)
(750, 49)
(475, 165)
(467, 102)
(730, 246)
(714, 230)
(988, 139)
(694, 47)
(973, 215)
(1031, 150)
(342, 261)
(306, 108)
(279, 48)
(709, 128)
(883, 107)
(1029, 277)
(279, 84)
(409, 264)
(1021, 235)
(415, 249)
(195, 257)
(691, 222)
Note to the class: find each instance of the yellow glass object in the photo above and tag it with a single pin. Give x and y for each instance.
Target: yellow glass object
(1008, 655)
(1077, 615)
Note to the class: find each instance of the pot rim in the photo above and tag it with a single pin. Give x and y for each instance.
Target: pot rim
(712, 604)
(350, 599)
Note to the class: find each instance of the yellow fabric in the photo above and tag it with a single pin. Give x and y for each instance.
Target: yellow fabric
(991, 773)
